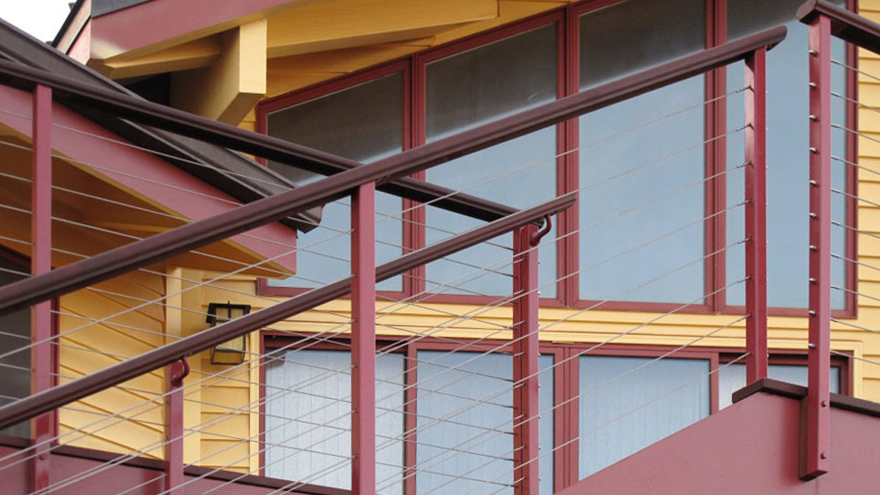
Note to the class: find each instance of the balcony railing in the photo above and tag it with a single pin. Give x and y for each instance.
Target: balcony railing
(834, 206)
(511, 386)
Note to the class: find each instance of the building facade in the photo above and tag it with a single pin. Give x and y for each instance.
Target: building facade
(643, 300)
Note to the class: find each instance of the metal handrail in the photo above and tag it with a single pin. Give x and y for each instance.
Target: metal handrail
(845, 25)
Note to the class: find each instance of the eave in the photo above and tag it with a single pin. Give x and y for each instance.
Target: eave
(112, 159)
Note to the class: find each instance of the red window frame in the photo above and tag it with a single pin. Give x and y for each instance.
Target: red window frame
(566, 19)
(565, 383)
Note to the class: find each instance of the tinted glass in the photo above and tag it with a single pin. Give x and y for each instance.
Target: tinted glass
(787, 156)
(464, 402)
(732, 377)
(15, 333)
(642, 196)
(636, 34)
(471, 88)
(363, 123)
(629, 403)
(308, 425)
(494, 80)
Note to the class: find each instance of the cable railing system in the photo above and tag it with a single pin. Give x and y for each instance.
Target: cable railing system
(337, 396)
(842, 205)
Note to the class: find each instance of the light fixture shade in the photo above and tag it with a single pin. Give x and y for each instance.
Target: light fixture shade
(232, 351)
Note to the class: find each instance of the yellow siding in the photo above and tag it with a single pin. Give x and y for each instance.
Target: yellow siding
(90, 346)
(220, 411)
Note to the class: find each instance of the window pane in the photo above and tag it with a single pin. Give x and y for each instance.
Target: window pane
(732, 377)
(308, 425)
(450, 417)
(15, 333)
(642, 233)
(787, 156)
(472, 88)
(634, 35)
(490, 82)
(636, 212)
(363, 123)
(622, 413)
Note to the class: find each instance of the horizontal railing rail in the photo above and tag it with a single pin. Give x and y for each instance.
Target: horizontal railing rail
(165, 245)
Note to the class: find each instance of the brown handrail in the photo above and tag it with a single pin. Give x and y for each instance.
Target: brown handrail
(162, 246)
(54, 398)
(845, 25)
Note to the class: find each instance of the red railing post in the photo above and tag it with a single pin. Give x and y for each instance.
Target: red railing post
(756, 214)
(363, 340)
(41, 262)
(174, 375)
(814, 462)
(525, 362)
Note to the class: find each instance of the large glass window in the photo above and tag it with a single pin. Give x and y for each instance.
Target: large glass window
(462, 411)
(15, 333)
(363, 123)
(787, 155)
(628, 403)
(464, 421)
(646, 232)
(308, 421)
(471, 88)
(633, 181)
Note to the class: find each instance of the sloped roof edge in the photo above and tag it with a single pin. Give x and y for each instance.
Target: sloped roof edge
(246, 179)
(101, 7)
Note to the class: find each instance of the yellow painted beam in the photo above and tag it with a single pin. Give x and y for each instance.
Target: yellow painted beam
(337, 24)
(179, 324)
(193, 55)
(233, 84)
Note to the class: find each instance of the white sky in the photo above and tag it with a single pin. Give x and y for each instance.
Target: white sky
(41, 18)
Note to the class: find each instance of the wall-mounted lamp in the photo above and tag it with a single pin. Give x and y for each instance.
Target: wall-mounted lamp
(232, 351)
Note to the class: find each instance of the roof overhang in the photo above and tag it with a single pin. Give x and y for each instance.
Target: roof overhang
(230, 172)
(112, 159)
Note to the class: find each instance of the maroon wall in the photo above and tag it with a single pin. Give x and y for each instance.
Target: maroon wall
(748, 448)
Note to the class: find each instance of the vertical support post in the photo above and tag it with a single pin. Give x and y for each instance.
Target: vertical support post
(363, 340)
(174, 376)
(41, 262)
(756, 214)
(525, 363)
(814, 461)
